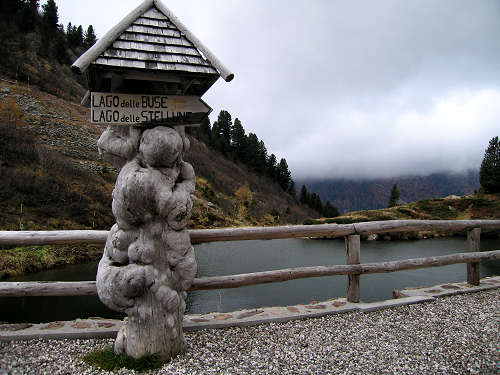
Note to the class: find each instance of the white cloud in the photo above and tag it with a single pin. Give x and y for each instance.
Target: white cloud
(451, 135)
(348, 88)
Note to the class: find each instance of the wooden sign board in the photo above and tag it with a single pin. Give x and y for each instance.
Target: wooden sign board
(136, 110)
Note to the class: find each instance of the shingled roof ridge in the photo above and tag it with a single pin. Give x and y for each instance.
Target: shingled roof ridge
(84, 61)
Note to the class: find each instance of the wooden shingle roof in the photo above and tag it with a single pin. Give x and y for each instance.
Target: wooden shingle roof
(152, 38)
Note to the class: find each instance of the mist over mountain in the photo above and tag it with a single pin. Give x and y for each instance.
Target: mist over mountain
(367, 194)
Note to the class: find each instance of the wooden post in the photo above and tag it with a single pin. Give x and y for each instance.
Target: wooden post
(473, 245)
(352, 246)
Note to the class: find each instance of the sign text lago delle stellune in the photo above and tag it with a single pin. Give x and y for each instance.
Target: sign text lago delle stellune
(124, 109)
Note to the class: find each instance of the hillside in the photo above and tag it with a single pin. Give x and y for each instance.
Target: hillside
(56, 180)
(355, 195)
(64, 152)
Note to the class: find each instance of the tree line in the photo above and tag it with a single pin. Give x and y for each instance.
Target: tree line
(55, 40)
(230, 139)
(313, 200)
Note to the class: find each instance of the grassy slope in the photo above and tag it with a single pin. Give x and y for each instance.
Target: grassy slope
(48, 154)
(476, 206)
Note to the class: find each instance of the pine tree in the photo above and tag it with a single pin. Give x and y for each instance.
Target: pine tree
(204, 131)
(291, 190)
(283, 174)
(221, 132)
(252, 150)
(49, 15)
(303, 195)
(225, 124)
(28, 17)
(79, 36)
(272, 166)
(9, 8)
(489, 174)
(59, 49)
(329, 210)
(261, 158)
(238, 140)
(215, 131)
(89, 38)
(394, 199)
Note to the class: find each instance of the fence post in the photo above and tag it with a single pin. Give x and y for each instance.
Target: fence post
(352, 246)
(473, 245)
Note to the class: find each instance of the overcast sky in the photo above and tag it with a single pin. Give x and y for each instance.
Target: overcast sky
(348, 88)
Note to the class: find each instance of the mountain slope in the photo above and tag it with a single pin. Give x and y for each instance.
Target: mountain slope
(354, 195)
(227, 193)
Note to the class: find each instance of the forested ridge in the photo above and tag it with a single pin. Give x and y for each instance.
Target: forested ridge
(354, 195)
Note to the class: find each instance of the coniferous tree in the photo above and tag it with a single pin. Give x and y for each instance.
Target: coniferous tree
(217, 141)
(204, 131)
(261, 157)
(225, 124)
(79, 36)
(252, 151)
(272, 166)
(221, 132)
(394, 199)
(28, 15)
(303, 195)
(9, 9)
(329, 210)
(291, 190)
(489, 174)
(315, 203)
(59, 49)
(215, 132)
(69, 33)
(90, 38)
(50, 17)
(283, 174)
(238, 140)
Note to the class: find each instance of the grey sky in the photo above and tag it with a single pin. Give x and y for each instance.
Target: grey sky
(348, 88)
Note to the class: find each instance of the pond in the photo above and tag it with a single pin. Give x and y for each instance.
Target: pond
(225, 258)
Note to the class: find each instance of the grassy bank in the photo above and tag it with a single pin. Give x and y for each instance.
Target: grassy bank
(24, 260)
(477, 206)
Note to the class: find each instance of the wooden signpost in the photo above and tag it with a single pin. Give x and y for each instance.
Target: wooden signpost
(123, 109)
(146, 77)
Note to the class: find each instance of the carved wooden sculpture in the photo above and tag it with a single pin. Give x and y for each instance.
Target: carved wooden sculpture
(148, 261)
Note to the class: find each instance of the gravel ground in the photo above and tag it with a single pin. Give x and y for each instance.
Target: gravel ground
(454, 335)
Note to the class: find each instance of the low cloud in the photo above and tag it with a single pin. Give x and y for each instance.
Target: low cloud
(387, 141)
(349, 89)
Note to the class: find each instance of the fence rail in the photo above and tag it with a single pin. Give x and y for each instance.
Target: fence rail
(352, 269)
(85, 288)
(256, 233)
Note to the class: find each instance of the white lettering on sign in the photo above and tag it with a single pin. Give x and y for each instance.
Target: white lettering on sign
(124, 109)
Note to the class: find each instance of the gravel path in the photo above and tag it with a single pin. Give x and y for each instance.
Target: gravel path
(453, 335)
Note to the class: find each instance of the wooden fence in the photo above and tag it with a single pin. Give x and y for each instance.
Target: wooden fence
(353, 269)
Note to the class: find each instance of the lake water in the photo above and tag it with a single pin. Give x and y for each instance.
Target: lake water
(225, 258)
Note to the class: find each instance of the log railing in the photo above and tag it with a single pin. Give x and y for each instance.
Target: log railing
(256, 233)
(352, 269)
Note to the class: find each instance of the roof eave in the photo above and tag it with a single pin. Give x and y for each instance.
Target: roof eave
(84, 61)
(224, 72)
